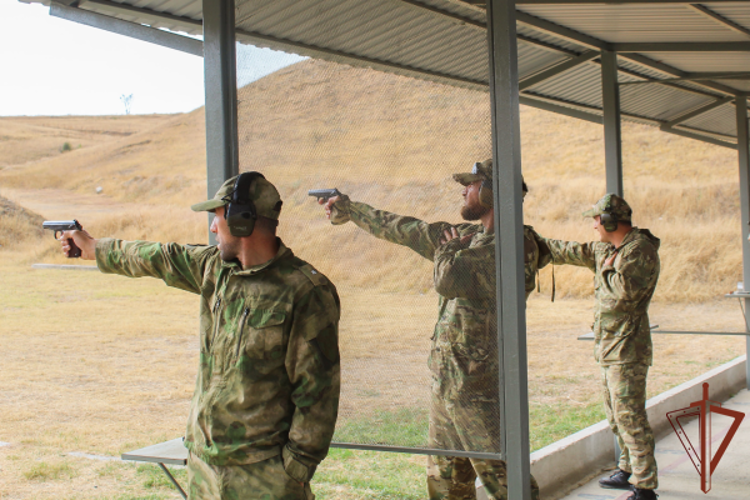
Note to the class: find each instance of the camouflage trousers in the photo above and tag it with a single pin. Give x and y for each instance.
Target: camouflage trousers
(266, 480)
(474, 426)
(624, 391)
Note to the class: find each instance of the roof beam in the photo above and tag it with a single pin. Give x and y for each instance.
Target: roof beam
(561, 31)
(681, 47)
(162, 16)
(665, 83)
(698, 137)
(727, 23)
(696, 77)
(563, 110)
(456, 18)
(132, 30)
(671, 70)
(557, 69)
(697, 112)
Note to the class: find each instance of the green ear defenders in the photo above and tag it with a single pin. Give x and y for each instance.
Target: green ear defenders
(608, 220)
(240, 212)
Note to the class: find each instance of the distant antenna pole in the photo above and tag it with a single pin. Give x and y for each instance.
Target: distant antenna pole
(127, 100)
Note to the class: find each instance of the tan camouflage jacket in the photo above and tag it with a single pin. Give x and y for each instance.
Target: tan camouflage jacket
(269, 375)
(622, 290)
(463, 357)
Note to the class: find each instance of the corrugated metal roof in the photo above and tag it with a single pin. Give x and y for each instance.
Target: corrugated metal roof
(445, 41)
(636, 22)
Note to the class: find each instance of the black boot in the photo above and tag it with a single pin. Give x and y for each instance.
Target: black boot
(617, 481)
(640, 494)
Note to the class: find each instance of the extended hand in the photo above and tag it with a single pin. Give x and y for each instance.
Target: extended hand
(327, 204)
(83, 240)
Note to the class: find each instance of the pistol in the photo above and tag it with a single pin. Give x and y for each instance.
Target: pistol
(58, 226)
(324, 194)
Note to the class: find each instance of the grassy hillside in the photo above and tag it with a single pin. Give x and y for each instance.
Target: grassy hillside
(121, 354)
(393, 142)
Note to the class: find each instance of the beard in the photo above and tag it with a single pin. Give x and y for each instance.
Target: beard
(475, 212)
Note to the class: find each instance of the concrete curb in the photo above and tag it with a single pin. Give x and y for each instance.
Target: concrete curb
(565, 464)
(66, 267)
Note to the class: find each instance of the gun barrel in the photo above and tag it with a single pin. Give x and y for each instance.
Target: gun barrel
(324, 194)
(61, 225)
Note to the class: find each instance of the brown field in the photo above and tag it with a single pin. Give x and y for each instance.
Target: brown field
(100, 365)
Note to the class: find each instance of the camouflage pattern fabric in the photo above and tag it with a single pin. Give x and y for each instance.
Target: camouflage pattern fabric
(264, 480)
(613, 205)
(624, 391)
(623, 292)
(269, 374)
(466, 427)
(463, 355)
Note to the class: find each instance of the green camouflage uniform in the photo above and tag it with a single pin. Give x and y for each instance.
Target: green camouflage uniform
(267, 389)
(463, 357)
(622, 337)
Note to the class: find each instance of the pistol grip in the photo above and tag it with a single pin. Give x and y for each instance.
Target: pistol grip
(74, 252)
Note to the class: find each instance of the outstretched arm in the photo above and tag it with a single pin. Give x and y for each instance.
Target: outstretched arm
(420, 236)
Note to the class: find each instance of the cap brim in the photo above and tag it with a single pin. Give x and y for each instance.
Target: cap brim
(207, 206)
(591, 213)
(467, 179)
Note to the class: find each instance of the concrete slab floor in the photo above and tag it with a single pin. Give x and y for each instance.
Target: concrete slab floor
(678, 478)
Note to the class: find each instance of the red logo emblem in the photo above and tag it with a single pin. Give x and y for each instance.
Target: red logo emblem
(701, 456)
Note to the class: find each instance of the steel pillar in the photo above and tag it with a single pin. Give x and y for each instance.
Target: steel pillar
(220, 70)
(744, 161)
(612, 134)
(511, 298)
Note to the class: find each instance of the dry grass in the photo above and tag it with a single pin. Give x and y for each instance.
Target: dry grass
(101, 365)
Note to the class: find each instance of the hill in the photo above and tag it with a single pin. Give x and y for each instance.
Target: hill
(393, 142)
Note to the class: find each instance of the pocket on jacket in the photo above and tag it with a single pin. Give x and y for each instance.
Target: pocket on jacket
(261, 335)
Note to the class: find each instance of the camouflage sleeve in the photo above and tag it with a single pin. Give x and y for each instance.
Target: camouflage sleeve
(545, 255)
(631, 277)
(416, 234)
(179, 266)
(465, 272)
(571, 252)
(312, 363)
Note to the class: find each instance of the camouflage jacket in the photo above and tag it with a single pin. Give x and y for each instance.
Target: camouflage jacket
(622, 290)
(463, 356)
(269, 375)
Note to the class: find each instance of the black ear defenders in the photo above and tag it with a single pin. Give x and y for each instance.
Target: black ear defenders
(608, 220)
(240, 213)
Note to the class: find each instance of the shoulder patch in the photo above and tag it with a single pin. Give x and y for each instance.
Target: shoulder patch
(313, 275)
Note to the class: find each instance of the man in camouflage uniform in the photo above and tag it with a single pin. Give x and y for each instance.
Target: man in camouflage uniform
(464, 412)
(626, 268)
(267, 391)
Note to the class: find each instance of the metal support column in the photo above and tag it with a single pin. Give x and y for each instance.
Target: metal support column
(510, 300)
(612, 133)
(744, 161)
(220, 70)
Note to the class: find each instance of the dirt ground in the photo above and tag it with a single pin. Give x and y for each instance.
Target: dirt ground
(97, 365)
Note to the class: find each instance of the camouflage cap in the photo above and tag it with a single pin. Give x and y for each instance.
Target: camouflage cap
(262, 193)
(613, 205)
(480, 171)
